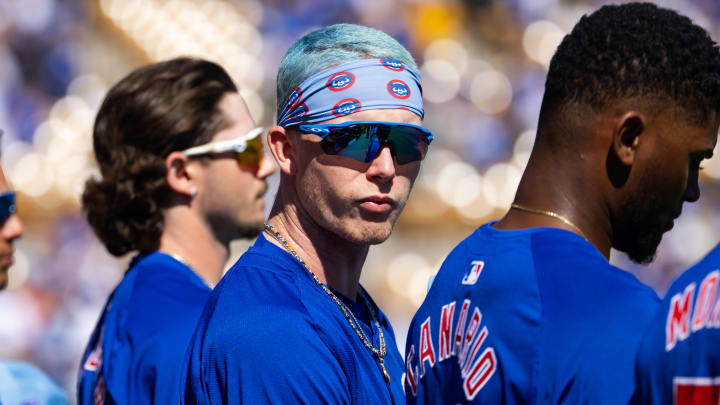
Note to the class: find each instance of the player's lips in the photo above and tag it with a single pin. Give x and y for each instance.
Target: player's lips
(377, 203)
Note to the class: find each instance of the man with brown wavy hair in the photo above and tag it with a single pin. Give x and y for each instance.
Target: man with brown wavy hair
(182, 175)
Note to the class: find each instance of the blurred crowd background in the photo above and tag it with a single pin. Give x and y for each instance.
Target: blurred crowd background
(483, 64)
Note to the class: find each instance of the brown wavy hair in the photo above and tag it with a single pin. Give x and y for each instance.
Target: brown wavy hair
(153, 111)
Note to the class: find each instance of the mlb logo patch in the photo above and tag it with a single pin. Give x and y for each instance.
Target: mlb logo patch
(340, 81)
(471, 277)
(398, 89)
(393, 64)
(346, 106)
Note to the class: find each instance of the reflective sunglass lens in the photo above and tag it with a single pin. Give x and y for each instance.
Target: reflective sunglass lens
(354, 142)
(363, 142)
(7, 206)
(408, 144)
(252, 154)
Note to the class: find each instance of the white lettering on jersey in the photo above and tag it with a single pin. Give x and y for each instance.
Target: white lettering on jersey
(475, 367)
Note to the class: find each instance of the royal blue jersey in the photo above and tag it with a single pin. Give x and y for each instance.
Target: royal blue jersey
(679, 358)
(136, 351)
(532, 316)
(270, 335)
(22, 383)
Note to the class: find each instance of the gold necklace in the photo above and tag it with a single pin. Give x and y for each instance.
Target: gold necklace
(550, 214)
(379, 354)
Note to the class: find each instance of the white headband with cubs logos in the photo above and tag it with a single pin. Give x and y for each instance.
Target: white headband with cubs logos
(367, 84)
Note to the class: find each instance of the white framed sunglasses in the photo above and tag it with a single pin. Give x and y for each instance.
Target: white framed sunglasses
(247, 147)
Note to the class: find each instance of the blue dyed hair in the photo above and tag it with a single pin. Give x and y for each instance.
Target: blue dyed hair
(334, 45)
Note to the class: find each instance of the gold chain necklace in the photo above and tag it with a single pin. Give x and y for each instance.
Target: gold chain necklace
(379, 354)
(550, 214)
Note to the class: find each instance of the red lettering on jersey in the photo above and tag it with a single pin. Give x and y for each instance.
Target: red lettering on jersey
(677, 327)
(472, 329)
(427, 351)
(411, 371)
(696, 391)
(480, 373)
(704, 300)
(446, 318)
(471, 355)
(714, 321)
(460, 328)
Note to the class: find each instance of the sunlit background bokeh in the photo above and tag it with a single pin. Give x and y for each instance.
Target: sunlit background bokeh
(483, 65)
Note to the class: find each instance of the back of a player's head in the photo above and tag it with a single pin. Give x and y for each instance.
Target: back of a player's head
(634, 50)
(334, 45)
(153, 111)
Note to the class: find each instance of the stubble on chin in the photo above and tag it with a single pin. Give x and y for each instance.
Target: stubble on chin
(641, 234)
(363, 231)
(249, 231)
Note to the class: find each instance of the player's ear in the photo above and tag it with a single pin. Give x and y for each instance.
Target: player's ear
(627, 136)
(180, 176)
(282, 148)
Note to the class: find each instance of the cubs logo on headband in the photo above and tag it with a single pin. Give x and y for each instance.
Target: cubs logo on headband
(340, 81)
(294, 98)
(398, 89)
(393, 64)
(367, 84)
(299, 111)
(345, 107)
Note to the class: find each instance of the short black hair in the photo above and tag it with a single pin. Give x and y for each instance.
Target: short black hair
(635, 50)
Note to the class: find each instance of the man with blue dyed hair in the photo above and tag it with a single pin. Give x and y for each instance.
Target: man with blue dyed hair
(527, 309)
(290, 323)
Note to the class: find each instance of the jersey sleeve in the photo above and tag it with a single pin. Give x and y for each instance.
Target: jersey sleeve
(648, 387)
(23, 383)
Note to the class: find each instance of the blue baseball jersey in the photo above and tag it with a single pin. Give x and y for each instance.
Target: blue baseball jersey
(270, 335)
(22, 383)
(136, 351)
(531, 316)
(679, 358)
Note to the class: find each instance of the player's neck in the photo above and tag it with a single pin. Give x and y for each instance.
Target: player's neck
(567, 193)
(334, 261)
(188, 238)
